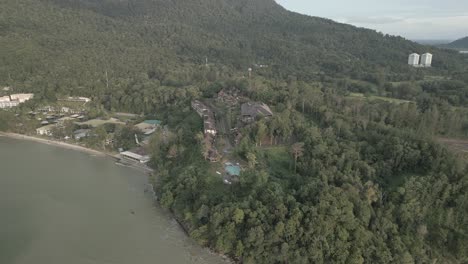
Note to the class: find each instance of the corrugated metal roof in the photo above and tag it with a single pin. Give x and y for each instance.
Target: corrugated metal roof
(135, 156)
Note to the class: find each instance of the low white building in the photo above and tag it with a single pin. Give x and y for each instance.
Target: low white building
(426, 60)
(8, 104)
(22, 97)
(45, 130)
(76, 99)
(136, 155)
(14, 100)
(81, 133)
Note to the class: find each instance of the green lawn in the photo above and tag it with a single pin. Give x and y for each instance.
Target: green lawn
(99, 122)
(278, 160)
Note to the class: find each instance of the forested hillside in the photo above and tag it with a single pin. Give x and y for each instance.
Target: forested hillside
(340, 180)
(345, 171)
(458, 44)
(72, 43)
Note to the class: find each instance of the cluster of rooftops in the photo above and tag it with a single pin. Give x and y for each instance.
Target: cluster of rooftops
(14, 99)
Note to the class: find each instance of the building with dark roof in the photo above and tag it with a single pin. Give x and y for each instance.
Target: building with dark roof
(251, 110)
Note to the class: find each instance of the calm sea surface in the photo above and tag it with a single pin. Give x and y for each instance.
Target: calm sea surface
(66, 207)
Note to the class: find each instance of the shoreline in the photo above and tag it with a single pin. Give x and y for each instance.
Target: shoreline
(56, 143)
(71, 146)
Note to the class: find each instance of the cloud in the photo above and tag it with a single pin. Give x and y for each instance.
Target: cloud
(415, 27)
(415, 19)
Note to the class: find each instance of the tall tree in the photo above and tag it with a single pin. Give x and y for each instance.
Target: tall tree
(297, 150)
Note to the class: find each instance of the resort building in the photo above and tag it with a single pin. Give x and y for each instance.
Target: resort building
(14, 100)
(76, 99)
(250, 111)
(8, 104)
(21, 98)
(136, 155)
(81, 133)
(199, 107)
(209, 124)
(45, 130)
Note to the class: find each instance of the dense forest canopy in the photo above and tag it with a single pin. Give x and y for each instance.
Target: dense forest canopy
(345, 171)
(127, 38)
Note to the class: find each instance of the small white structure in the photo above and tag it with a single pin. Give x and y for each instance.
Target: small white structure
(426, 60)
(8, 104)
(76, 99)
(14, 100)
(45, 130)
(413, 59)
(209, 127)
(81, 133)
(22, 97)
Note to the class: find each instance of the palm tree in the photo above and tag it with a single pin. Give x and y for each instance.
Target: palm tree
(297, 150)
(252, 160)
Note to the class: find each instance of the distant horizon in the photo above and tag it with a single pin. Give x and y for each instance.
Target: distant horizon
(422, 20)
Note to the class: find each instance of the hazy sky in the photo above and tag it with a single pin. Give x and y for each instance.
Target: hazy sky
(413, 19)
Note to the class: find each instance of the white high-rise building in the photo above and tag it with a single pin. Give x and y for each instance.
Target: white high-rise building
(413, 59)
(426, 60)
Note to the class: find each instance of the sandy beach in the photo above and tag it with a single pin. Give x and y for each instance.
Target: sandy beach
(55, 143)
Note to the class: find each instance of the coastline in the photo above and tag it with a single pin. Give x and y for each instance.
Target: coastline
(75, 147)
(56, 143)
(104, 154)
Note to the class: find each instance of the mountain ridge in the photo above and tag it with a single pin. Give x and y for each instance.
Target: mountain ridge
(458, 44)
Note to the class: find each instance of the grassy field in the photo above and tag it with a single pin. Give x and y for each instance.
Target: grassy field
(373, 98)
(279, 161)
